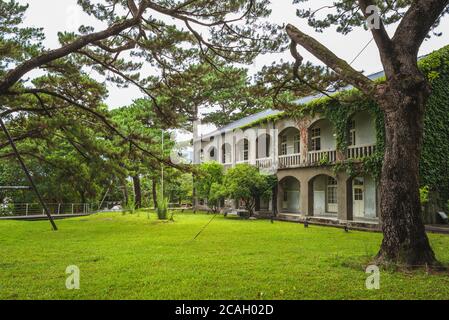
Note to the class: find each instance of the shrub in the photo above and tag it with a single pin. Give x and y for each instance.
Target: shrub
(129, 207)
(245, 182)
(424, 195)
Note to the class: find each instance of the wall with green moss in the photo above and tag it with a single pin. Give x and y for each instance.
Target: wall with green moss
(435, 156)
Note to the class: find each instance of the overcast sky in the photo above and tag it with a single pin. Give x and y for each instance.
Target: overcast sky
(65, 15)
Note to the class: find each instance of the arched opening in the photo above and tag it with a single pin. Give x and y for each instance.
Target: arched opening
(289, 195)
(242, 151)
(361, 135)
(322, 142)
(363, 194)
(289, 148)
(212, 154)
(289, 141)
(263, 146)
(324, 196)
(226, 153)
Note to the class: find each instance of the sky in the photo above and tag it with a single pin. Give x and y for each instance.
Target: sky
(65, 15)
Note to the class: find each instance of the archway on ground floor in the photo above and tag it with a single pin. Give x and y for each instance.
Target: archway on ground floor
(289, 190)
(323, 196)
(362, 198)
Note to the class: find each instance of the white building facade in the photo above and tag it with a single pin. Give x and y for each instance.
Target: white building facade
(303, 154)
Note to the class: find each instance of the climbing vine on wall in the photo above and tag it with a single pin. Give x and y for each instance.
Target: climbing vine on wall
(342, 106)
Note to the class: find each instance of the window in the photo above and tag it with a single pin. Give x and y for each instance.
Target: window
(296, 143)
(283, 145)
(352, 139)
(226, 153)
(331, 191)
(285, 196)
(263, 146)
(245, 150)
(358, 181)
(315, 137)
(358, 194)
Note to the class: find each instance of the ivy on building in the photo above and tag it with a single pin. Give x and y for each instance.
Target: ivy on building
(340, 107)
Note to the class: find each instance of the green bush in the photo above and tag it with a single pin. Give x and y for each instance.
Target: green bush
(129, 207)
(424, 195)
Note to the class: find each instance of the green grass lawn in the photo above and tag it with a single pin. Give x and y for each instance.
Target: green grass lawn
(133, 257)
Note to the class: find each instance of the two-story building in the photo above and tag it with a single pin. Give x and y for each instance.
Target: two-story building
(302, 153)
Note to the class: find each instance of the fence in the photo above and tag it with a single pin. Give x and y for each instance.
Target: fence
(36, 209)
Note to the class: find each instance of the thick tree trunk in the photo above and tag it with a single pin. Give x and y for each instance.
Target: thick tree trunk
(405, 240)
(137, 192)
(154, 187)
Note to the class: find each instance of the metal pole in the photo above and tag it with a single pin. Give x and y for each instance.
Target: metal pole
(27, 173)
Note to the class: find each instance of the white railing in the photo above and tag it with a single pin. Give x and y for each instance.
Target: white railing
(290, 160)
(36, 209)
(361, 151)
(328, 156)
(242, 162)
(264, 163)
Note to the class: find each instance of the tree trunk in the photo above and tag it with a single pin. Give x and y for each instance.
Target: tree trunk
(154, 187)
(405, 240)
(137, 192)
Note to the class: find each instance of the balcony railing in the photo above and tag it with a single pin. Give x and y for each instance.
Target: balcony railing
(264, 163)
(290, 160)
(328, 156)
(313, 158)
(361, 151)
(227, 165)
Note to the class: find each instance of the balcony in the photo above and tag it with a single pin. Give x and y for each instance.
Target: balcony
(227, 166)
(361, 151)
(264, 163)
(321, 156)
(290, 161)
